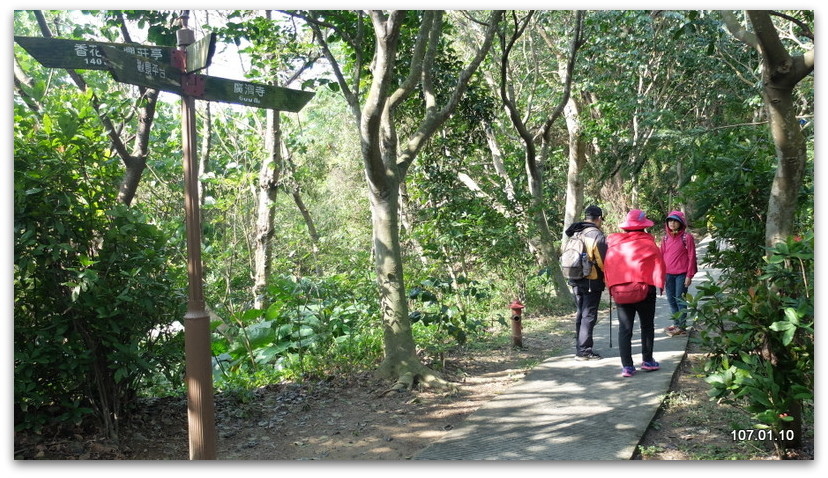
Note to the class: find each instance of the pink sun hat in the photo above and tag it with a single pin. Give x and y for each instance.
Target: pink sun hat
(636, 219)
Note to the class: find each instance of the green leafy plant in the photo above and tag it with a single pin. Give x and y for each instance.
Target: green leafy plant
(95, 291)
(312, 327)
(437, 305)
(761, 340)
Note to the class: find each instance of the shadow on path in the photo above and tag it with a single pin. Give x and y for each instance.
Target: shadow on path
(569, 410)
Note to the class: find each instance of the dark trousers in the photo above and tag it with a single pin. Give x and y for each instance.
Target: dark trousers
(587, 300)
(646, 315)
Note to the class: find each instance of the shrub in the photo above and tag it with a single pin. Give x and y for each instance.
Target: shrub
(760, 337)
(92, 282)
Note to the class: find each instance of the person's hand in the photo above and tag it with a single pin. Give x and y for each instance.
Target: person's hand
(687, 282)
(660, 291)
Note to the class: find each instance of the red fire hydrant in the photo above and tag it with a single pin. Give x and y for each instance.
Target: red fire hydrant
(517, 327)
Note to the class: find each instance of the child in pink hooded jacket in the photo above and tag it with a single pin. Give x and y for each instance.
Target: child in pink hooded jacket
(678, 248)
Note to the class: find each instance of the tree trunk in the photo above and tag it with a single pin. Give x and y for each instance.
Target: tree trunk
(312, 233)
(781, 72)
(399, 342)
(268, 187)
(577, 159)
(548, 257)
(780, 75)
(386, 159)
(206, 150)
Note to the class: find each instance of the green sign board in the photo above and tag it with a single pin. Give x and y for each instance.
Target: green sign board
(134, 70)
(137, 70)
(152, 67)
(254, 94)
(84, 55)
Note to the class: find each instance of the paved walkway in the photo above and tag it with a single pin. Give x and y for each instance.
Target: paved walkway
(569, 410)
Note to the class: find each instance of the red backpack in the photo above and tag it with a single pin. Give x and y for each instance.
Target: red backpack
(629, 292)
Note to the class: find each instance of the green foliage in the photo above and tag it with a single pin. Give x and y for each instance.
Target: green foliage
(659, 120)
(160, 25)
(313, 327)
(453, 226)
(444, 305)
(731, 193)
(93, 286)
(760, 337)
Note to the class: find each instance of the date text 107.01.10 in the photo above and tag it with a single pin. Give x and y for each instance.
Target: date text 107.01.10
(762, 435)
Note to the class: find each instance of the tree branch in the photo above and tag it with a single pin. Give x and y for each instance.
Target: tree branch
(577, 41)
(432, 122)
(738, 31)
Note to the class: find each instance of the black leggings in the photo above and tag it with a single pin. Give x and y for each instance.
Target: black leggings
(626, 317)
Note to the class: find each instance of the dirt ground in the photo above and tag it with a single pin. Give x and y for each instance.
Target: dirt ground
(350, 418)
(345, 418)
(691, 427)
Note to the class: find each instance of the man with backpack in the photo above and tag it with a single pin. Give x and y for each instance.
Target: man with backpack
(583, 264)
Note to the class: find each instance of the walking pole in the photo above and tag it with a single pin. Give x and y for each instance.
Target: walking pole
(610, 320)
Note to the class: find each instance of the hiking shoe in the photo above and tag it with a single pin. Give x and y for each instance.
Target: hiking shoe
(588, 356)
(650, 366)
(628, 371)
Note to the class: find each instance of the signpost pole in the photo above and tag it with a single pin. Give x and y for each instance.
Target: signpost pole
(200, 401)
(175, 73)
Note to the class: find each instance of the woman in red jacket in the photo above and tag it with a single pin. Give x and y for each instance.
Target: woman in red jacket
(634, 258)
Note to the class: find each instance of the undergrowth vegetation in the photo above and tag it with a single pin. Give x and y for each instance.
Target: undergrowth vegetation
(100, 282)
(760, 339)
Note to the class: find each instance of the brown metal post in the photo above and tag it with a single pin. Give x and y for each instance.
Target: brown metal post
(517, 326)
(200, 401)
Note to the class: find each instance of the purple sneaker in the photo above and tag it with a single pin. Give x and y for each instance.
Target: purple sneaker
(628, 371)
(650, 366)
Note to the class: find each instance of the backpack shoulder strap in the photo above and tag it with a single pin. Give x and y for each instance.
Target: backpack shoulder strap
(589, 243)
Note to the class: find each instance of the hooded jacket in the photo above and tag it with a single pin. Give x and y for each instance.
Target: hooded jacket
(633, 256)
(596, 246)
(679, 248)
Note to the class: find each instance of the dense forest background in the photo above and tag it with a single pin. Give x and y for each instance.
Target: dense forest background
(425, 187)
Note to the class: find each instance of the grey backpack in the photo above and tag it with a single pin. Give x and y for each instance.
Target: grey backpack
(575, 262)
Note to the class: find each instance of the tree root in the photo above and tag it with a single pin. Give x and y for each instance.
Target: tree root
(421, 375)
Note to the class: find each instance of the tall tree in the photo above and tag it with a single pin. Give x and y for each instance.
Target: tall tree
(269, 176)
(573, 209)
(272, 42)
(534, 159)
(385, 157)
(781, 72)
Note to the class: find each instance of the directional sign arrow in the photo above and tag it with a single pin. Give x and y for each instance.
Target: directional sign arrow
(134, 70)
(254, 94)
(84, 55)
(137, 70)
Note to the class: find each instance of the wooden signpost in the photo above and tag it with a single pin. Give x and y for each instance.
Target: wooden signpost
(173, 70)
